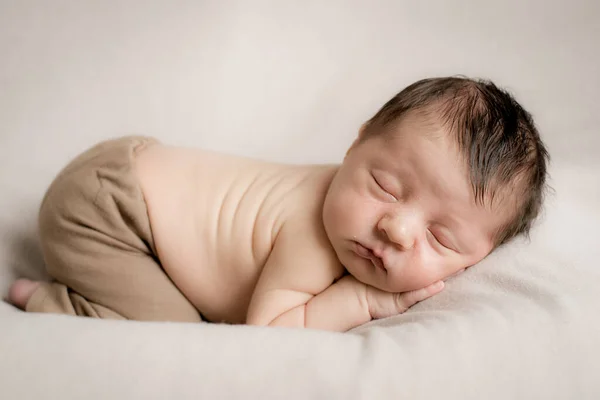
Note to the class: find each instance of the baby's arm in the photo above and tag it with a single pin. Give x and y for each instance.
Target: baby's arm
(297, 289)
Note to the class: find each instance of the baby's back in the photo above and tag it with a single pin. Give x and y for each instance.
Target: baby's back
(214, 219)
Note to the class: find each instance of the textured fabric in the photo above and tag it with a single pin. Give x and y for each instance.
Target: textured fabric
(293, 81)
(97, 242)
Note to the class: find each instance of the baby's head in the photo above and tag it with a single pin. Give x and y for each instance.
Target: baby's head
(448, 170)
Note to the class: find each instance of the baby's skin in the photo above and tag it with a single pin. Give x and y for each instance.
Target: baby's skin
(317, 246)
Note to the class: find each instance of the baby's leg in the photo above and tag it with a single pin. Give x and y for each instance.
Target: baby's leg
(97, 244)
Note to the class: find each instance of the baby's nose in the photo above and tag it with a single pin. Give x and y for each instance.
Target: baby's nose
(399, 231)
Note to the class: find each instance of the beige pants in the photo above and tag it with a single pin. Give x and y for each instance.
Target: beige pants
(97, 243)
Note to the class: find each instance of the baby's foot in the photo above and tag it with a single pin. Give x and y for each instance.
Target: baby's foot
(20, 292)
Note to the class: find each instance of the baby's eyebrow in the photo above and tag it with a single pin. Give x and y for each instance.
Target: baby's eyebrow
(432, 181)
(438, 188)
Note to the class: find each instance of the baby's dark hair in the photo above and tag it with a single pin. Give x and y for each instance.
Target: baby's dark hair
(501, 145)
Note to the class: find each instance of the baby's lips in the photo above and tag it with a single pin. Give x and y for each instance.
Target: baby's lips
(362, 251)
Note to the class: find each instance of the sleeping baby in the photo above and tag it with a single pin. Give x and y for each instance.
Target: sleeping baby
(445, 172)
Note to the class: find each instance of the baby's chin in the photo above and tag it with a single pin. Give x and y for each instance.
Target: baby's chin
(361, 274)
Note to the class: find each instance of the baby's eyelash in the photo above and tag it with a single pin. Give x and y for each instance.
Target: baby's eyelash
(439, 241)
(382, 188)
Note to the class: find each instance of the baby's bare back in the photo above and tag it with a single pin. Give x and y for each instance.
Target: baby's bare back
(215, 218)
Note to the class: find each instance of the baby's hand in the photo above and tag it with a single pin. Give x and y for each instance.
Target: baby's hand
(385, 304)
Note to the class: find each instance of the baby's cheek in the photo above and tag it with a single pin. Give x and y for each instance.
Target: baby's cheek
(424, 273)
(426, 278)
(352, 210)
(408, 279)
(453, 268)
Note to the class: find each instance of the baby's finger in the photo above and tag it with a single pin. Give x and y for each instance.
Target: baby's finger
(408, 299)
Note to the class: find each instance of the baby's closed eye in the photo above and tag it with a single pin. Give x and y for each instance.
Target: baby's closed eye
(388, 188)
(440, 239)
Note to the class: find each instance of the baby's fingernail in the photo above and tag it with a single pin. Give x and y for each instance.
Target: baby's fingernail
(439, 285)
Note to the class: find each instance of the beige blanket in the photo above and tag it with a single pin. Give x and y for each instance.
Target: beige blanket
(293, 81)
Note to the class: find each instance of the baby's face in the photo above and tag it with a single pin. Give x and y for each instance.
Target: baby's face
(400, 212)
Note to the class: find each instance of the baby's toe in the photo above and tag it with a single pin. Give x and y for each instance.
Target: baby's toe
(20, 292)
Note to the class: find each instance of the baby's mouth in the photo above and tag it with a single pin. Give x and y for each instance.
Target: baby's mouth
(366, 253)
(377, 262)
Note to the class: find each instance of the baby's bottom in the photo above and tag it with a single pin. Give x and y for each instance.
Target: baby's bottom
(98, 246)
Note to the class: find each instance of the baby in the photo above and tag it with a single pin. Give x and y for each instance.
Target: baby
(448, 170)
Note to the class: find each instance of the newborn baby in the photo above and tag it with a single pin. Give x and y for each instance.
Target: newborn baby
(448, 170)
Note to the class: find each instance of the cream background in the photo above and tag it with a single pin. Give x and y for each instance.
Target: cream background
(292, 81)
